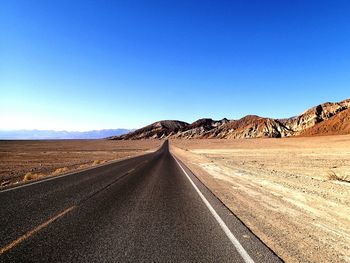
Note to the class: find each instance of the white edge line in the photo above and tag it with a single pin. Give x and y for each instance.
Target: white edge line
(70, 173)
(244, 254)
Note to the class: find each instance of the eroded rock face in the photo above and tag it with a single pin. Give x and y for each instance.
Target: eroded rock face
(250, 126)
(315, 115)
(157, 130)
(201, 128)
(336, 125)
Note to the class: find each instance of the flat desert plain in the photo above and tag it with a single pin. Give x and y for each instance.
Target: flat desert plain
(22, 161)
(293, 193)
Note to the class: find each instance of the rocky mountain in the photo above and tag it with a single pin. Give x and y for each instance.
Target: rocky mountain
(251, 126)
(315, 115)
(337, 124)
(326, 118)
(157, 130)
(201, 128)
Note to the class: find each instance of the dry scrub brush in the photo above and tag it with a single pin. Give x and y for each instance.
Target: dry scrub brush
(32, 176)
(331, 175)
(83, 166)
(60, 171)
(96, 162)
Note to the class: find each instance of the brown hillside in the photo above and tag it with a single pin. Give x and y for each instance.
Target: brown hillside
(338, 124)
(252, 126)
(201, 128)
(313, 121)
(315, 115)
(157, 130)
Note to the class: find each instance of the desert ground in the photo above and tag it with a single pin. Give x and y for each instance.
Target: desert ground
(22, 161)
(293, 193)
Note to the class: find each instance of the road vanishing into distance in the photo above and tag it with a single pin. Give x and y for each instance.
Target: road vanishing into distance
(150, 208)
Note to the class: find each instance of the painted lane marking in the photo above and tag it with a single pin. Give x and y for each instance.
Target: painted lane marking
(33, 231)
(244, 254)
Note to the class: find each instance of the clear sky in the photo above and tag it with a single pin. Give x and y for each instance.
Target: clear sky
(81, 65)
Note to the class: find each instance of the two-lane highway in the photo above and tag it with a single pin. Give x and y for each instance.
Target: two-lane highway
(146, 209)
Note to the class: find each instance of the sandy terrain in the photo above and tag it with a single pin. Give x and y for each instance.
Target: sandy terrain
(282, 189)
(36, 159)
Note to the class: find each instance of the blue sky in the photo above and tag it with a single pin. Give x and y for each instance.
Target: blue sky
(81, 65)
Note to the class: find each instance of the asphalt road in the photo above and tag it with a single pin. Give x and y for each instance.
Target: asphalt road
(146, 209)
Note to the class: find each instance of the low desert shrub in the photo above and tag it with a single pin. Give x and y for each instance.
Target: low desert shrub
(331, 175)
(96, 162)
(83, 166)
(60, 171)
(31, 176)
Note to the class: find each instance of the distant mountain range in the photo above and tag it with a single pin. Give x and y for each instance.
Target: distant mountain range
(51, 135)
(325, 119)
